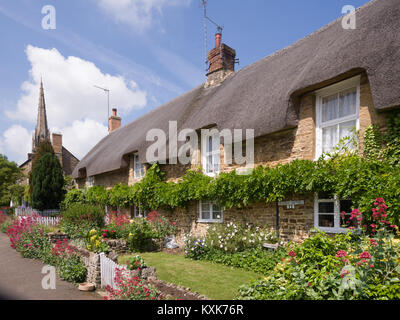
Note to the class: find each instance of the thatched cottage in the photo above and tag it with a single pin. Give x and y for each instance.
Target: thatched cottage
(300, 101)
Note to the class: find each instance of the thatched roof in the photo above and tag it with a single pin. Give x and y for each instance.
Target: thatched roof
(263, 96)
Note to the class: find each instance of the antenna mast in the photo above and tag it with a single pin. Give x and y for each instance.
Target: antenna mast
(219, 30)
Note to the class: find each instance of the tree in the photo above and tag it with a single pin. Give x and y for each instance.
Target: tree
(9, 175)
(48, 183)
(43, 148)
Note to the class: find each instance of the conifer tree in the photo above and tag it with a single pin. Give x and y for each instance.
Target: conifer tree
(48, 183)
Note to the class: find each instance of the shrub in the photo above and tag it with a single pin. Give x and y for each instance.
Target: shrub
(77, 230)
(233, 237)
(33, 243)
(136, 262)
(131, 288)
(350, 266)
(140, 235)
(73, 196)
(72, 269)
(4, 226)
(195, 248)
(256, 260)
(162, 226)
(94, 242)
(109, 233)
(77, 213)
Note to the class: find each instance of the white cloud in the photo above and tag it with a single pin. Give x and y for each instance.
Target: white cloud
(69, 90)
(74, 106)
(88, 133)
(17, 141)
(140, 14)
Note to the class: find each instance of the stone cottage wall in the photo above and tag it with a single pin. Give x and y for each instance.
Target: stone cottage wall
(295, 224)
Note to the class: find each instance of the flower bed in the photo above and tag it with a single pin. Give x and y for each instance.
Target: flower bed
(31, 240)
(362, 264)
(236, 246)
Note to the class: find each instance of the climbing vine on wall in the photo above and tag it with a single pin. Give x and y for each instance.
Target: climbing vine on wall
(347, 174)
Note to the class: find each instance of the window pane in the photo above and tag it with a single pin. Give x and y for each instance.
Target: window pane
(216, 212)
(347, 103)
(330, 108)
(325, 196)
(329, 138)
(345, 205)
(326, 221)
(326, 207)
(346, 128)
(205, 215)
(205, 210)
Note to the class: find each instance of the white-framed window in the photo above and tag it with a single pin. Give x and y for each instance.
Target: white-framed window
(138, 168)
(210, 212)
(138, 212)
(337, 114)
(210, 150)
(91, 181)
(328, 213)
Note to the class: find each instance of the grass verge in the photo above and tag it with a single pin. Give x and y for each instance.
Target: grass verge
(217, 282)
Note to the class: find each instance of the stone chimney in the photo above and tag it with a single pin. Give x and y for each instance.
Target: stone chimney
(56, 142)
(222, 62)
(114, 122)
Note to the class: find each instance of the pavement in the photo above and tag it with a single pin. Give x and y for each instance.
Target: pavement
(21, 279)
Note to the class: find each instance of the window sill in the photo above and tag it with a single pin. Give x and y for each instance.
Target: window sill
(331, 230)
(210, 221)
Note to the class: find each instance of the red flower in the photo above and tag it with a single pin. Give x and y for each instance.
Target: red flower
(341, 254)
(292, 253)
(373, 242)
(365, 255)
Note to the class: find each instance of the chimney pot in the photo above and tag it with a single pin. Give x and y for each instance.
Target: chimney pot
(114, 122)
(218, 40)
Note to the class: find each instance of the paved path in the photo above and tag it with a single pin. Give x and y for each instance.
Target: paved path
(21, 278)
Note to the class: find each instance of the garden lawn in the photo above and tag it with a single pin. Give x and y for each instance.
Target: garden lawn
(217, 282)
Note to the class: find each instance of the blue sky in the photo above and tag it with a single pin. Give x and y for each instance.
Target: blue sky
(146, 51)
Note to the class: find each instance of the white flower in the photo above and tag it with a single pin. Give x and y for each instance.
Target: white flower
(221, 246)
(244, 239)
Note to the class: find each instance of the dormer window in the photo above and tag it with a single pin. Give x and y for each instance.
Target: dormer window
(210, 151)
(337, 114)
(91, 181)
(139, 170)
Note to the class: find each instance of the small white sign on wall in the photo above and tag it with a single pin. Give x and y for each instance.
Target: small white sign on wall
(291, 204)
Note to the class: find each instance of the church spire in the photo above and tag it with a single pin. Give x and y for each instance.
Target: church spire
(41, 131)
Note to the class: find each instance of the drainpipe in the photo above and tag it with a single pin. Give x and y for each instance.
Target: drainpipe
(277, 220)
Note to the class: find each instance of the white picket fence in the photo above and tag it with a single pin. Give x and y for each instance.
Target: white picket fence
(47, 221)
(107, 269)
(22, 211)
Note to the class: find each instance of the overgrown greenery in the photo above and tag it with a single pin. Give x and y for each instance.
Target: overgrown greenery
(9, 175)
(346, 174)
(359, 265)
(48, 183)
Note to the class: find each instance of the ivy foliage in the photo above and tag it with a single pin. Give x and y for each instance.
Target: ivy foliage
(343, 172)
